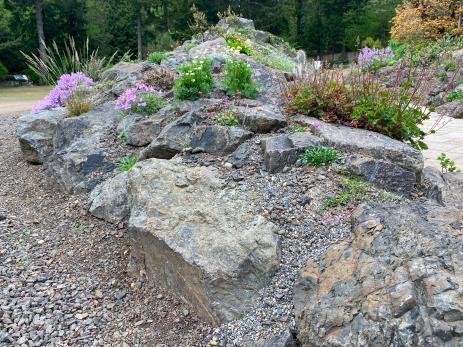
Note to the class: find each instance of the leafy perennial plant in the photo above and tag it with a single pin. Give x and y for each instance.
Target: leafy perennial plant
(195, 80)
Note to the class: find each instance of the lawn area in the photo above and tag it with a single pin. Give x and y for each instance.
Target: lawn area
(20, 99)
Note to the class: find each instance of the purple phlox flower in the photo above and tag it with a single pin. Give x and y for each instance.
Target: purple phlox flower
(134, 96)
(368, 56)
(316, 125)
(65, 86)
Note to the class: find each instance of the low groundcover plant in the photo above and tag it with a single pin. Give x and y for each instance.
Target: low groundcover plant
(195, 80)
(65, 86)
(141, 98)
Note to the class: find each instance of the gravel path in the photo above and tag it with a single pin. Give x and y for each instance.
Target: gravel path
(63, 279)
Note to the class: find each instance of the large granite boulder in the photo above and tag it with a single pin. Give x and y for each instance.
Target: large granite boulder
(284, 150)
(109, 200)
(189, 132)
(397, 282)
(35, 131)
(452, 109)
(199, 238)
(81, 146)
(261, 119)
(388, 163)
(445, 188)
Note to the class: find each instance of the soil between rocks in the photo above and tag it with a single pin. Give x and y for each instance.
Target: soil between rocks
(63, 279)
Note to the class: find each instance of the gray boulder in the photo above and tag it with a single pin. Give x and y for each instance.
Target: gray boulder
(35, 131)
(109, 200)
(81, 146)
(239, 157)
(382, 173)
(200, 239)
(261, 119)
(452, 109)
(445, 188)
(284, 150)
(124, 75)
(236, 23)
(389, 163)
(397, 282)
(188, 132)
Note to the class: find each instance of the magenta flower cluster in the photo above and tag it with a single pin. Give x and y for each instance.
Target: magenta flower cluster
(368, 56)
(134, 97)
(66, 84)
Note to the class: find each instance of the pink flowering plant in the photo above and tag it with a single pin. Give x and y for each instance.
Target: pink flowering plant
(65, 86)
(141, 98)
(373, 58)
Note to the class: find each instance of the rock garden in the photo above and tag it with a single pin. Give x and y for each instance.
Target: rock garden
(268, 201)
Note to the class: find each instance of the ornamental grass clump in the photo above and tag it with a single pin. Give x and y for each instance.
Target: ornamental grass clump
(141, 98)
(238, 80)
(195, 80)
(78, 102)
(125, 164)
(156, 57)
(65, 86)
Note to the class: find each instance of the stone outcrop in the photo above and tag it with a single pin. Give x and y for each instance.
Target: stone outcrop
(452, 109)
(284, 150)
(376, 157)
(397, 282)
(199, 238)
(109, 200)
(36, 131)
(80, 149)
(445, 188)
(189, 132)
(261, 119)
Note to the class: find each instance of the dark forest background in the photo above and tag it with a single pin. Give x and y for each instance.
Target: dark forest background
(318, 26)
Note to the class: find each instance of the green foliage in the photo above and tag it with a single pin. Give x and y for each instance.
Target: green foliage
(238, 79)
(399, 49)
(237, 42)
(122, 136)
(154, 102)
(3, 72)
(455, 95)
(195, 80)
(297, 128)
(227, 117)
(190, 46)
(395, 120)
(78, 103)
(446, 44)
(217, 57)
(273, 59)
(372, 43)
(125, 164)
(447, 165)
(363, 101)
(156, 57)
(353, 190)
(442, 76)
(319, 156)
(69, 59)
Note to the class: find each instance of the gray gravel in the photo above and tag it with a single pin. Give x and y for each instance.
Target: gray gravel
(63, 273)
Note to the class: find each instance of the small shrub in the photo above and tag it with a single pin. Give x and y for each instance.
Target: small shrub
(353, 190)
(217, 57)
(446, 164)
(319, 156)
(78, 102)
(141, 98)
(125, 164)
(237, 42)
(195, 80)
(238, 79)
(455, 95)
(3, 72)
(156, 57)
(65, 86)
(274, 59)
(227, 117)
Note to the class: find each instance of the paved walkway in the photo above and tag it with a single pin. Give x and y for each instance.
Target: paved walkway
(448, 139)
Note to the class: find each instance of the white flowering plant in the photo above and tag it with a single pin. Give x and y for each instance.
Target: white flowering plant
(195, 80)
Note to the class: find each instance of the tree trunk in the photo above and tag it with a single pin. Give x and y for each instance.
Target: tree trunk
(299, 14)
(40, 34)
(139, 36)
(165, 9)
